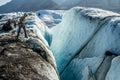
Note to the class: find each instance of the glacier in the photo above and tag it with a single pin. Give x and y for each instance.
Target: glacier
(85, 33)
(84, 41)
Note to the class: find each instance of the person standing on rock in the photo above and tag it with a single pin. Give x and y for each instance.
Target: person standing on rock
(21, 24)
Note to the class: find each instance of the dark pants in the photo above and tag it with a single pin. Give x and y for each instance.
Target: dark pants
(20, 31)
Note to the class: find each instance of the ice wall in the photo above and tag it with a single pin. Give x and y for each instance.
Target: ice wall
(114, 71)
(75, 30)
(84, 33)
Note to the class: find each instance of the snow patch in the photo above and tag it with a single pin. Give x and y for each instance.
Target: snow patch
(51, 17)
(77, 28)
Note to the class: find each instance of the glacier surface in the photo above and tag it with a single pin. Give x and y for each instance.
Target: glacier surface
(85, 33)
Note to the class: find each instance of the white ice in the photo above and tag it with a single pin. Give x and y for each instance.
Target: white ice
(51, 17)
(77, 28)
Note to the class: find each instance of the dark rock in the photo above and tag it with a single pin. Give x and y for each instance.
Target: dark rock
(7, 26)
(19, 62)
(108, 53)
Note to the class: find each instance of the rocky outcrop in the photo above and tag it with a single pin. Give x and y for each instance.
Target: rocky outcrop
(26, 58)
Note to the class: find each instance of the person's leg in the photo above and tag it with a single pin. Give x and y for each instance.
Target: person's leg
(25, 32)
(19, 30)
